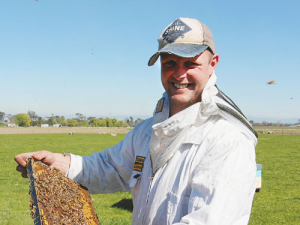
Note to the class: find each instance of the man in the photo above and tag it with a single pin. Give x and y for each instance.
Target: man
(194, 161)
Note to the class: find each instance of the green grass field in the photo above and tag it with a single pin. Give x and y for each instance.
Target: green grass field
(278, 202)
(279, 199)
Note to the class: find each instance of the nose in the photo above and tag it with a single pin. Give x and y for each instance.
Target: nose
(180, 72)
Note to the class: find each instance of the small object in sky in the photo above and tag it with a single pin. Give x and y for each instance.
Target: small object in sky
(271, 82)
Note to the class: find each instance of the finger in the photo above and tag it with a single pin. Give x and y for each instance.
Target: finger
(44, 156)
(22, 158)
(21, 169)
(40, 155)
(24, 175)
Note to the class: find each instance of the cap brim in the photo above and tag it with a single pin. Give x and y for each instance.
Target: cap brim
(179, 49)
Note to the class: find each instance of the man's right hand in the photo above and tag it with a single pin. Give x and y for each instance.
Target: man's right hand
(57, 160)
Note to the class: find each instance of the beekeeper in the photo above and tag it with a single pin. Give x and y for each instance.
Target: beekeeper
(193, 162)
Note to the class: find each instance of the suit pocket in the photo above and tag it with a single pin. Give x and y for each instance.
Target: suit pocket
(177, 207)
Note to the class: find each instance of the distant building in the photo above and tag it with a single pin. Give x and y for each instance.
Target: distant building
(57, 125)
(45, 125)
(11, 125)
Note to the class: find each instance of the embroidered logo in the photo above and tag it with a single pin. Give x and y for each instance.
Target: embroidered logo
(175, 30)
(160, 105)
(139, 163)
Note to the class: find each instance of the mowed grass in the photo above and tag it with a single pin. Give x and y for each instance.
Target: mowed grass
(14, 198)
(278, 202)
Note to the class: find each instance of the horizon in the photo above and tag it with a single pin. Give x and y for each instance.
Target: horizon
(143, 117)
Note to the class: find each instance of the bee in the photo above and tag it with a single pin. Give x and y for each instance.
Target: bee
(271, 82)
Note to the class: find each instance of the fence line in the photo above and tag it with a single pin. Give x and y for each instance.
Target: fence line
(103, 130)
(279, 131)
(61, 130)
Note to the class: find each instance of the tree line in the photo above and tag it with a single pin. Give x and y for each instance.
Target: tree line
(32, 119)
(277, 124)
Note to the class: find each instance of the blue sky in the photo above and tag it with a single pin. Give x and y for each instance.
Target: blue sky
(64, 57)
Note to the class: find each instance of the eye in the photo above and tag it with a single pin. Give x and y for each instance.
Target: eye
(170, 63)
(190, 64)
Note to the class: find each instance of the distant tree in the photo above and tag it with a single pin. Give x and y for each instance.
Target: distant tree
(130, 121)
(80, 117)
(40, 120)
(64, 123)
(61, 120)
(109, 122)
(94, 122)
(138, 120)
(83, 123)
(51, 121)
(72, 122)
(121, 123)
(33, 116)
(2, 115)
(9, 117)
(114, 122)
(34, 123)
(22, 120)
(102, 123)
(90, 118)
(256, 124)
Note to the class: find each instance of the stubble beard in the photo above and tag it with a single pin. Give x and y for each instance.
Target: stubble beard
(177, 105)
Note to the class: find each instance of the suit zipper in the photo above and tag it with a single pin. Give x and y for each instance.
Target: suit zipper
(149, 190)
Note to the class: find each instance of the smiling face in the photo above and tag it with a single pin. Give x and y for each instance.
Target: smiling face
(185, 78)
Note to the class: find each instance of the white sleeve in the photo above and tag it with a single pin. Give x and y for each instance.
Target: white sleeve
(223, 185)
(107, 171)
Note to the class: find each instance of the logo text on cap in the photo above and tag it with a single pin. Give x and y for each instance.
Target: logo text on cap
(175, 30)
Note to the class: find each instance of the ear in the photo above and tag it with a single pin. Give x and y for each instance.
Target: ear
(213, 63)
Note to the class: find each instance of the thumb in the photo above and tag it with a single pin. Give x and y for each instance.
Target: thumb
(21, 159)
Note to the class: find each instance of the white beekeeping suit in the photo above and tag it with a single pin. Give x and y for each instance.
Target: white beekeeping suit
(196, 167)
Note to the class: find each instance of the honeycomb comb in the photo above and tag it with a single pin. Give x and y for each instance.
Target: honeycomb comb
(56, 199)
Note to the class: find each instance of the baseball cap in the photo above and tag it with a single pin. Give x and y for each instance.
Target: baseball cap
(185, 37)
